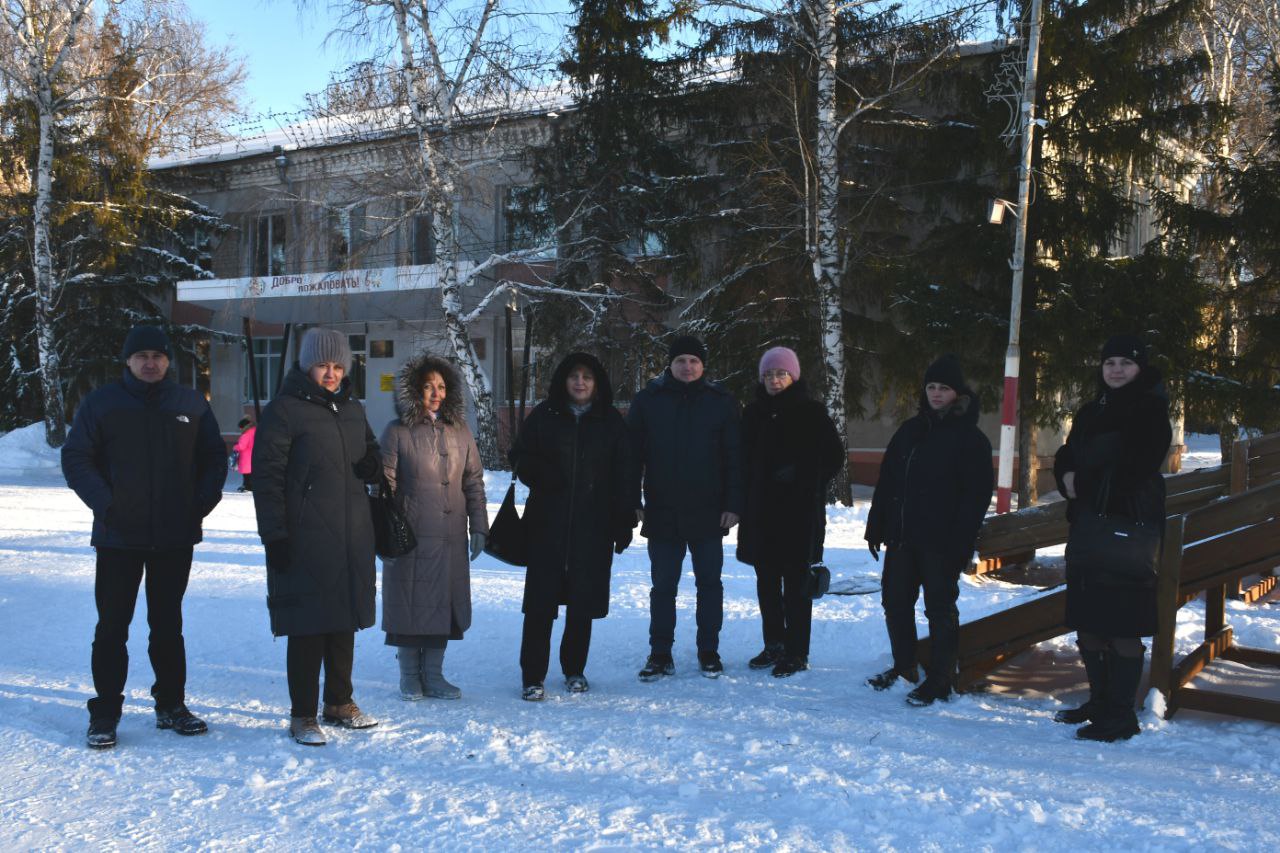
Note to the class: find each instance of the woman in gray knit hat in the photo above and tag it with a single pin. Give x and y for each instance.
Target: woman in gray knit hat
(312, 456)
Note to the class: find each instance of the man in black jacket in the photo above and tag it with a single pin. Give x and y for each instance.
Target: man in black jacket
(146, 455)
(686, 439)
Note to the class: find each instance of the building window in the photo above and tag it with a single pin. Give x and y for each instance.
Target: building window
(269, 246)
(347, 235)
(523, 221)
(424, 239)
(267, 354)
(357, 374)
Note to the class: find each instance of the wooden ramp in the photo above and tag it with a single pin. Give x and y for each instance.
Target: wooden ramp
(1211, 544)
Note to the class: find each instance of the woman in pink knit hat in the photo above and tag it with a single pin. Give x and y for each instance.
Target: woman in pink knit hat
(792, 450)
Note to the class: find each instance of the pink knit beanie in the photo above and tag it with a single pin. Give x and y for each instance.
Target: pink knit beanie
(780, 358)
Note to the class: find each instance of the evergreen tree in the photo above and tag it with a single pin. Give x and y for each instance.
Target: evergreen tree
(119, 242)
(1120, 126)
(617, 184)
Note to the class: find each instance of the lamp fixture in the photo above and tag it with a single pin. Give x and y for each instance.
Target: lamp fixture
(282, 163)
(997, 207)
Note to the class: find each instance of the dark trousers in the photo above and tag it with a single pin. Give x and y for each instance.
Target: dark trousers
(535, 645)
(786, 610)
(305, 654)
(666, 562)
(115, 591)
(907, 568)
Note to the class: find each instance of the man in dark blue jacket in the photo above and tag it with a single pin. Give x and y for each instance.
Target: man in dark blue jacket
(686, 439)
(146, 455)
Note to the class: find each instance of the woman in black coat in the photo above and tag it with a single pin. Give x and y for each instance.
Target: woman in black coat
(1110, 465)
(933, 492)
(311, 457)
(572, 453)
(791, 450)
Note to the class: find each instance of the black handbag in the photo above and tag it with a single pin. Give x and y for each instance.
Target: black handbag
(392, 535)
(508, 539)
(1113, 550)
(819, 580)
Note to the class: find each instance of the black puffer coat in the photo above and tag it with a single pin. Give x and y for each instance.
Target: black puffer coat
(1121, 438)
(686, 440)
(935, 481)
(148, 459)
(791, 450)
(305, 490)
(579, 499)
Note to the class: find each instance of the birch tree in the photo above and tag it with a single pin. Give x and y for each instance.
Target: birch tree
(839, 37)
(51, 61)
(453, 60)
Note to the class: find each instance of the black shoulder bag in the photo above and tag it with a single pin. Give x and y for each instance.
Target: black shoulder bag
(1113, 550)
(508, 538)
(392, 535)
(819, 574)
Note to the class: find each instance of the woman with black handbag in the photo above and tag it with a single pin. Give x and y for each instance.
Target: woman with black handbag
(791, 451)
(1109, 471)
(312, 456)
(431, 461)
(572, 453)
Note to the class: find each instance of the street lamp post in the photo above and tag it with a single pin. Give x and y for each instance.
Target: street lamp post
(1012, 358)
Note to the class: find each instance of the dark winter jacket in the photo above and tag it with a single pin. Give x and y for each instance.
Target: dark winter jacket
(1117, 443)
(687, 445)
(579, 502)
(149, 460)
(435, 468)
(791, 450)
(306, 492)
(935, 481)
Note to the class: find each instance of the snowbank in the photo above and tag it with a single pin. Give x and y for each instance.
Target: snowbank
(25, 452)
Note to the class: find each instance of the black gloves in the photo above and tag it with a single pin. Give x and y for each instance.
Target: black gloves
(621, 540)
(874, 548)
(369, 468)
(278, 555)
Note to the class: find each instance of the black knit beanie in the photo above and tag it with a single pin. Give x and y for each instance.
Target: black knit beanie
(146, 338)
(686, 345)
(946, 370)
(1125, 346)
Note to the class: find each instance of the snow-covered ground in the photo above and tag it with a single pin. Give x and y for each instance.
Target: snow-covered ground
(817, 761)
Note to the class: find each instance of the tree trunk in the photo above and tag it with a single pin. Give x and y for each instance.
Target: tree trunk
(1028, 493)
(437, 184)
(825, 246)
(55, 420)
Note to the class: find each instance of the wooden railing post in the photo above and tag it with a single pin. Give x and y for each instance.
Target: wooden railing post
(1167, 604)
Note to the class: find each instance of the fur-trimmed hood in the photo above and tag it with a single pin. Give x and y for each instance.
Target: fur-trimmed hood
(409, 379)
(963, 411)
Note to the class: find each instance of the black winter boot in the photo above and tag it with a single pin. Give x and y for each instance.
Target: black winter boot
(1095, 668)
(1118, 720)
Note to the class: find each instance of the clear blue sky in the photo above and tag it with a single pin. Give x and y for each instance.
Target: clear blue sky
(284, 50)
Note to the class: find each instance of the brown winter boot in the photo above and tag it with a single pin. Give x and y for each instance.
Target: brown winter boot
(306, 731)
(349, 716)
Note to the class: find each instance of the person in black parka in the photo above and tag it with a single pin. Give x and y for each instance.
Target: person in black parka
(686, 445)
(146, 455)
(572, 453)
(1117, 445)
(933, 492)
(791, 450)
(312, 456)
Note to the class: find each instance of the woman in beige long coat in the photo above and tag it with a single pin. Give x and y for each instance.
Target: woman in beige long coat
(431, 460)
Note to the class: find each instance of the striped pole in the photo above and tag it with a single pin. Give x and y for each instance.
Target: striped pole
(1012, 357)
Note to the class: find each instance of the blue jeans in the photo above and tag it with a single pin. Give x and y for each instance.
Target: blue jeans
(666, 562)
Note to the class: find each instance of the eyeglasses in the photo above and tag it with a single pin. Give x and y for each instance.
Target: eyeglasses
(776, 374)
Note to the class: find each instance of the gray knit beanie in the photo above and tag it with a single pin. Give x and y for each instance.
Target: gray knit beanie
(324, 345)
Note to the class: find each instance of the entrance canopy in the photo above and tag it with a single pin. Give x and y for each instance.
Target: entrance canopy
(332, 297)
